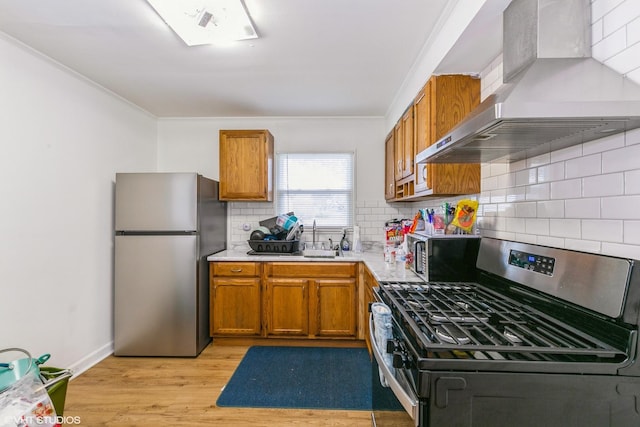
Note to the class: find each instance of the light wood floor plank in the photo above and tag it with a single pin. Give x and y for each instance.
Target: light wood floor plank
(140, 392)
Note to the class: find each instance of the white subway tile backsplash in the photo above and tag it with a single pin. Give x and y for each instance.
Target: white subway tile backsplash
(517, 166)
(526, 238)
(526, 176)
(621, 207)
(596, 31)
(582, 245)
(515, 224)
(621, 250)
(583, 166)
(604, 144)
(634, 76)
(568, 189)
(611, 45)
(603, 185)
(565, 228)
(602, 229)
(537, 192)
(484, 197)
(556, 242)
(506, 180)
(490, 209)
(626, 60)
(516, 194)
(506, 209)
(526, 210)
(551, 172)
(633, 31)
(566, 153)
(618, 17)
(627, 158)
(489, 183)
(632, 137)
(498, 168)
(599, 8)
(542, 159)
(551, 209)
(582, 208)
(487, 222)
(499, 196)
(632, 232)
(632, 182)
(500, 224)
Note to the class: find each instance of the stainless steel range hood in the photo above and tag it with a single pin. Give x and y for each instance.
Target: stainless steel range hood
(555, 95)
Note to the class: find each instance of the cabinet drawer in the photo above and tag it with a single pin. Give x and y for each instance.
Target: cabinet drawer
(235, 269)
(311, 269)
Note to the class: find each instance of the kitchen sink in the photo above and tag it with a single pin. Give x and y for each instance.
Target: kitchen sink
(319, 253)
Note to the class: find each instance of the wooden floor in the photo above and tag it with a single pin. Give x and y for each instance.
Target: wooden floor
(131, 391)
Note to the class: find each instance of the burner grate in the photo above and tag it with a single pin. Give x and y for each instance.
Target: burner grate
(468, 321)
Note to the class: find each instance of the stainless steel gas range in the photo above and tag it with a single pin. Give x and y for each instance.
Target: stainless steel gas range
(543, 337)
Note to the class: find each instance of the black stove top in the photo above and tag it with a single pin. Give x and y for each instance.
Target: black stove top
(455, 323)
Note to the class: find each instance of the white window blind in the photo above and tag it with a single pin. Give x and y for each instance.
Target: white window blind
(316, 186)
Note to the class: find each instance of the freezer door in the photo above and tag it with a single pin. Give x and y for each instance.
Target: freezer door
(156, 308)
(156, 202)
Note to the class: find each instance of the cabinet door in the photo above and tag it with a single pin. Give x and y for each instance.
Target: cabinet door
(335, 310)
(287, 307)
(246, 165)
(422, 122)
(389, 168)
(235, 306)
(454, 96)
(398, 138)
(407, 142)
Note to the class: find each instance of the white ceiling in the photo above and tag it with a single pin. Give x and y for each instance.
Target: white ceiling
(313, 57)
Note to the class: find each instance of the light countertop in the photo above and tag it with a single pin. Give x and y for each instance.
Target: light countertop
(374, 260)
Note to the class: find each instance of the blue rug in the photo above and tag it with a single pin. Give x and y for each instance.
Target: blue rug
(301, 377)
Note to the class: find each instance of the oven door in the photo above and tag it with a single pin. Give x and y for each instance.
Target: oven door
(398, 383)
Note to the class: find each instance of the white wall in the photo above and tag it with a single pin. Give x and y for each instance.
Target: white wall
(192, 144)
(61, 139)
(456, 18)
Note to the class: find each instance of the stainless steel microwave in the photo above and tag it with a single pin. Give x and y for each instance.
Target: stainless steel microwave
(446, 258)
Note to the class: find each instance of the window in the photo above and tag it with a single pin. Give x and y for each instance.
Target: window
(316, 186)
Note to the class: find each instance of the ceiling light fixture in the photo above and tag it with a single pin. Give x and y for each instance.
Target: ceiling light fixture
(199, 22)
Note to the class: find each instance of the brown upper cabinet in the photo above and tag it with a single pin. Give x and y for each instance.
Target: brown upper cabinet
(440, 105)
(246, 165)
(408, 142)
(390, 167)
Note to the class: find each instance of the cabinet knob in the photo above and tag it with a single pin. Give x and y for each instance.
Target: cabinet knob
(236, 270)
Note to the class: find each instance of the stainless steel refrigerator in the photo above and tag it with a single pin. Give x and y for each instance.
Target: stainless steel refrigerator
(166, 224)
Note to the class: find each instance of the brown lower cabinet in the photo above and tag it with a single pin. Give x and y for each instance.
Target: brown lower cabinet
(235, 302)
(289, 299)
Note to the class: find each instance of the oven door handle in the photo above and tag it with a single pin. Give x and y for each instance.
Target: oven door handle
(408, 401)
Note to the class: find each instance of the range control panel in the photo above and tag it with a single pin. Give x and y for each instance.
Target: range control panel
(536, 263)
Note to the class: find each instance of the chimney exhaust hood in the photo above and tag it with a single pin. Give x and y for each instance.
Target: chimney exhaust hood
(555, 95)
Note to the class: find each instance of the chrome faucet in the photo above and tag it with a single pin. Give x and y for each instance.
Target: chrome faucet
(314, 235)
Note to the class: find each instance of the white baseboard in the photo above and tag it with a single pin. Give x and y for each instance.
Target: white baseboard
(91, 359)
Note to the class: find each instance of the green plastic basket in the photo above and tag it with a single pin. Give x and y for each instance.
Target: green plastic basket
(56, 384)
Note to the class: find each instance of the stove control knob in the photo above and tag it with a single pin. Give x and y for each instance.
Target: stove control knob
(392, 346)
(400, 360)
